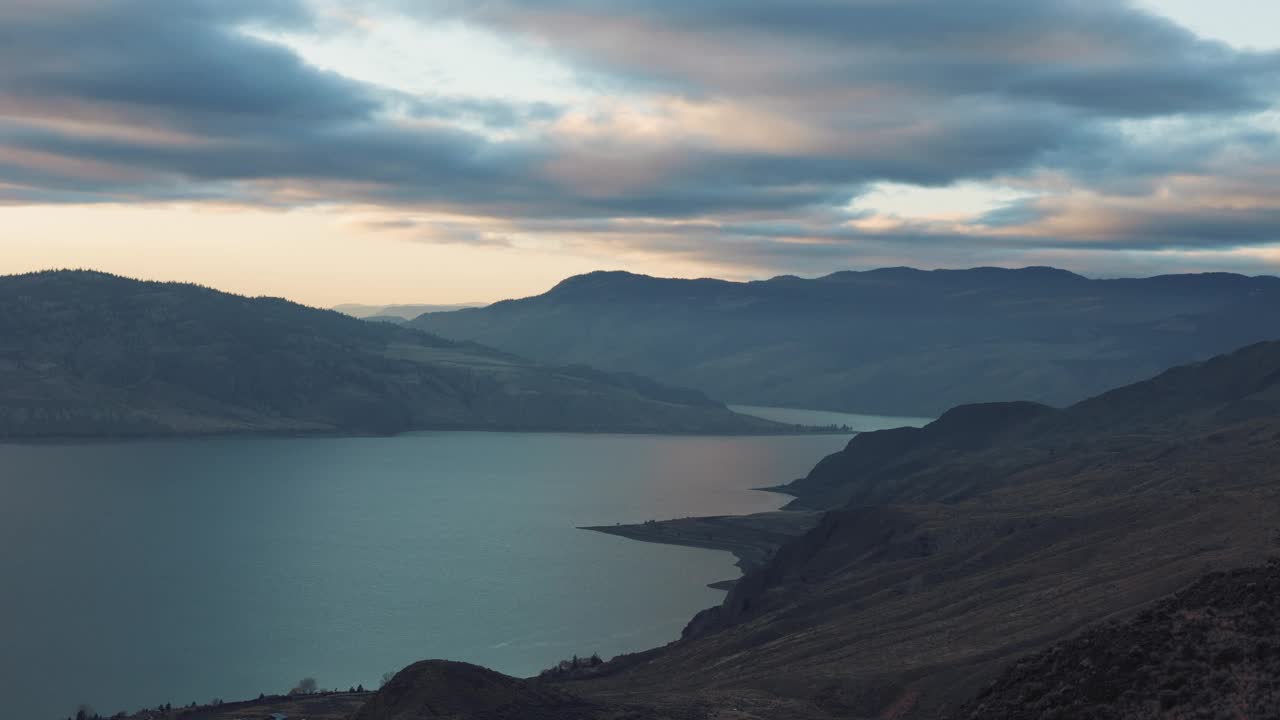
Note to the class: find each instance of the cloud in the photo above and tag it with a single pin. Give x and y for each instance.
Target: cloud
(217, 108)
(1096, 56)
(735, 132)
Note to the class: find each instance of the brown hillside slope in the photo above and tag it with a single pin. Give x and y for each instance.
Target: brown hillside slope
(1212, 650)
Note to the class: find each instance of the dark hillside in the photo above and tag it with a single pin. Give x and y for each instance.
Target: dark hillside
(1212, 650)
(87, 355)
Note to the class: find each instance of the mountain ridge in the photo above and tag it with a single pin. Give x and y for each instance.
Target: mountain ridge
(87, 354)
(892, 341)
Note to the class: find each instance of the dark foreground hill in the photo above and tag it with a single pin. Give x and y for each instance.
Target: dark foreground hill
(87, 355)
(947, 553)
(895, 341)
(458, 691)
(1212, 651)
(442, 689)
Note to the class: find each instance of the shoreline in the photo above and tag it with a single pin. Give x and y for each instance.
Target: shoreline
(780, 428)
(752, 539)
(347, 434)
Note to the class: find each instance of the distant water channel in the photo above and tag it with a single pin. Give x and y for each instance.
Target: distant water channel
(824, 418)
(140, 573)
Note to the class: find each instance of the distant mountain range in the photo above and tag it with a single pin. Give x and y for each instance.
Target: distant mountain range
(397, 312)
(891, 341)
(86, 354)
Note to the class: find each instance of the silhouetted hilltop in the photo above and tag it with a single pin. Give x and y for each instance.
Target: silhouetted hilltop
(869, 466)
(458, 691)
(891, 341)
(88, 354)
(443, 689)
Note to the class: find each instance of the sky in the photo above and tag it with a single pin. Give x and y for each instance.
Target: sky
(439, 151)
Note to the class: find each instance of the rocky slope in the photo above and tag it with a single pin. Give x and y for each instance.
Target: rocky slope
(91, 355)
(1210, 651)
(895, 341)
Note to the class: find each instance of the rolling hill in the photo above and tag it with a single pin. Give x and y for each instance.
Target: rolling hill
(86, 354)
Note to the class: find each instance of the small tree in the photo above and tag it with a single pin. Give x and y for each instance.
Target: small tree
(306, 686)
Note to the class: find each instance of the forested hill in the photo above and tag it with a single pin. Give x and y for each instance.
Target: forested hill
(85, 354)
(891, 341)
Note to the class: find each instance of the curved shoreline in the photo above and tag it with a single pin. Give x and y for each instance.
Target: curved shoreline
(751, 538)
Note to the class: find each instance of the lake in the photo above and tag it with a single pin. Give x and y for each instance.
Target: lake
(140, 573)
(825, 418)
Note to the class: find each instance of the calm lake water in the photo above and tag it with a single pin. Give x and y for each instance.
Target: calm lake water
(823, 418)
(140, 573)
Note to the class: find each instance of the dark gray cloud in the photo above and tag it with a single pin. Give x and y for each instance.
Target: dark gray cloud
(162, 99)
(1097, 56)
(185, 102)
(176, 64)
